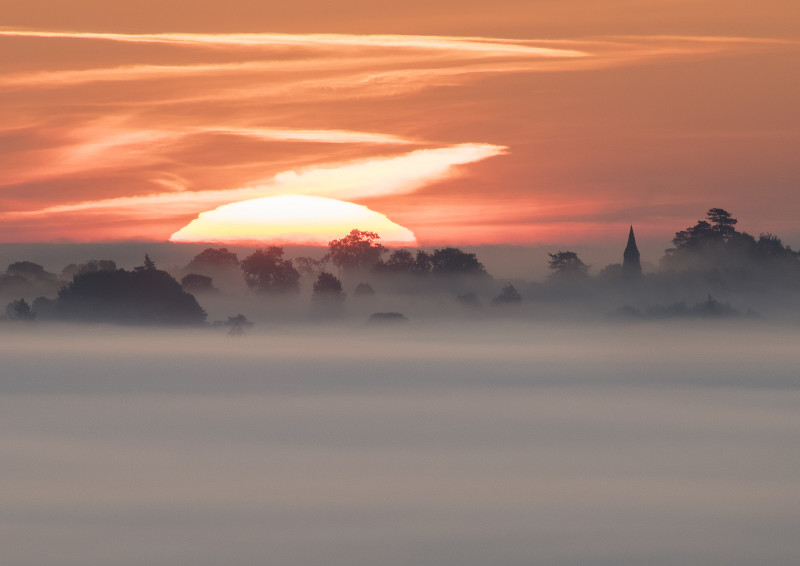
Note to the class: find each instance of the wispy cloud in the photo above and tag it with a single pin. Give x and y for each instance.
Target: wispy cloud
(483, 45)
(354, 180)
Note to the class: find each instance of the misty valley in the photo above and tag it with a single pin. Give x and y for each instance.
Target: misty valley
(372, 406)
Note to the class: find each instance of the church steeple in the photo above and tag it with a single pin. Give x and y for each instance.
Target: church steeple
(630, 257)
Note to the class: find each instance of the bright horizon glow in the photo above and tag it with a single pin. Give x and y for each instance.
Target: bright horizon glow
(289, 219)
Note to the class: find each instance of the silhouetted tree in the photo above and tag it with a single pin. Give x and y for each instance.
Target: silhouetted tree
(220, 264)
(20, 310)
(453, 261)
(327, 287)
(237, 324)
(612, 273)
(239, 319)
(328, 297)
(213, 259)
(142, 296)
(387, 318)
(423, 263)
(399, 261)
(695, 236)
(405, 262)
(15, 285)
(92, 265)
(28, 279)
(718, 229)
(723, 223)
(266, 271)
(508, 295)
(364, 290)
(308, 266)
(357, 250)
(567, 265)
(710, 308)
(148, 265)
(196, 283)
(28, 270)
(771, 247)
(736, 259)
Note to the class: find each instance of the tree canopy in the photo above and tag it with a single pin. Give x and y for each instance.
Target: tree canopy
(213, 259)
(74, 269)
(144, 296)
(716, 244)
(196, 283)
(453, 261)
(265, 270)
(567, 265)
(718, 228)
(25, 278)
(405, 262)
(29, 270)
(328, 286)
(358, 250)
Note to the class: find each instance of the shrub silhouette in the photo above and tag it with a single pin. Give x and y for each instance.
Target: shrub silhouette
(387, 318)
(328, 298)
(143, 296)
(20, 310)
(364, 290)
(328, 288)
(509, 295)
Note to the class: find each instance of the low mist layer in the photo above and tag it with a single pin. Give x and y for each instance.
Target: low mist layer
(340, 444)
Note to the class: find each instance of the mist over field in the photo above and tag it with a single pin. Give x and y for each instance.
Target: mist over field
(510, 442)
(422, 283)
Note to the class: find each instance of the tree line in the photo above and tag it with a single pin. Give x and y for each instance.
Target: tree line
(711, 255)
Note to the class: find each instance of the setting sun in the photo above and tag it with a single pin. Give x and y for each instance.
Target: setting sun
(294, 219)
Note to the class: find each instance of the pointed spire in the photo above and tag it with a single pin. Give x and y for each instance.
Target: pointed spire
(630, 257)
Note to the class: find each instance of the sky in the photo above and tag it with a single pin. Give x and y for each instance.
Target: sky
(462, 122)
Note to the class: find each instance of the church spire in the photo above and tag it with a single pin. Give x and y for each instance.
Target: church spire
(630, 257)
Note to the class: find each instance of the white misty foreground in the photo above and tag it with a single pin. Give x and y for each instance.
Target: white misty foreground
(503, 443)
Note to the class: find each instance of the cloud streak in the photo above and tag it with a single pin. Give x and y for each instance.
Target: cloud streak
(482, 45)
(354, 180)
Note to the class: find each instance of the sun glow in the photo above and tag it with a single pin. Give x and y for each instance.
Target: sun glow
(289, 219)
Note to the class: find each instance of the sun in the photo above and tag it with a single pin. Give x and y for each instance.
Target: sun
(289, 219)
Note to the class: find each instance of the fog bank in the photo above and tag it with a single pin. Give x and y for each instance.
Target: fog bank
(433, 443)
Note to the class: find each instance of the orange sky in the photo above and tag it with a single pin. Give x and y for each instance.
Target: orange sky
(465, 122)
